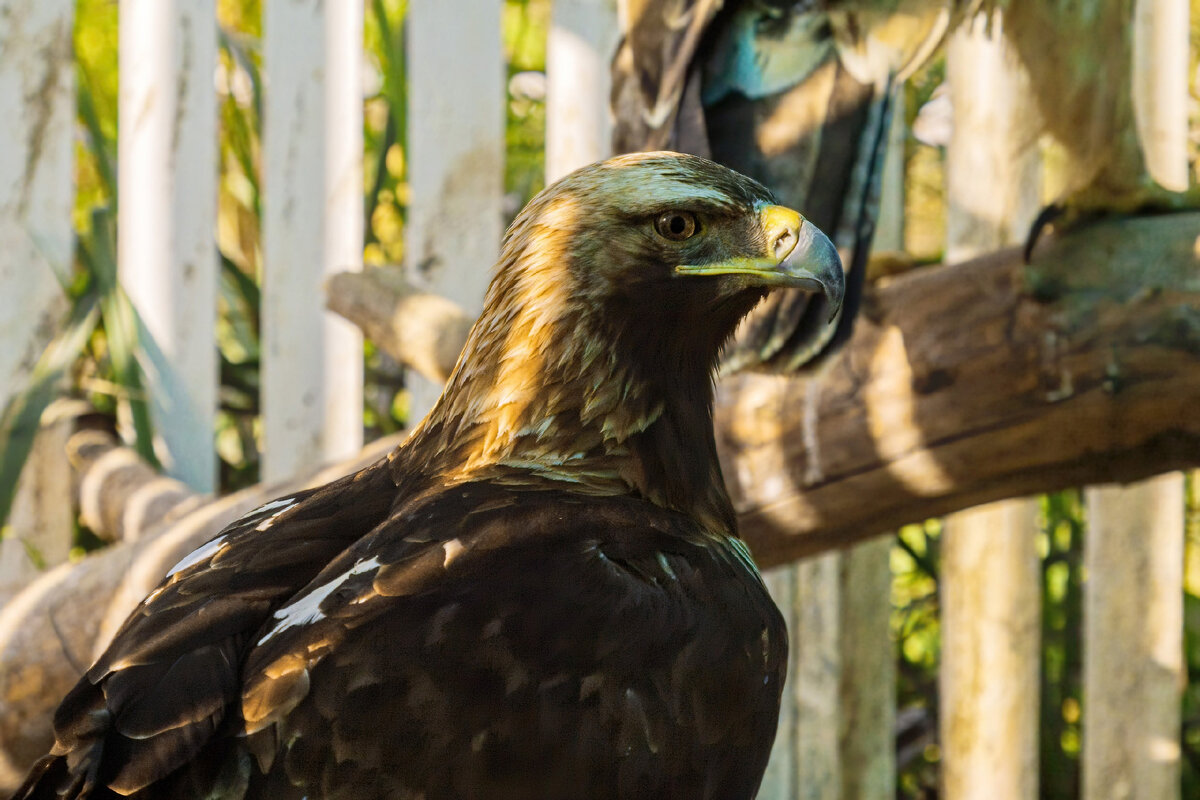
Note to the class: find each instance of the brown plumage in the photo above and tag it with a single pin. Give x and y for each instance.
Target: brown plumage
(541, 594)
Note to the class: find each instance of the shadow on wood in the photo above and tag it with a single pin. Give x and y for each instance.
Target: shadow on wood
(976, 382)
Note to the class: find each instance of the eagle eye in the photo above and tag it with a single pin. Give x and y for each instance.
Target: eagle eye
(676, 225)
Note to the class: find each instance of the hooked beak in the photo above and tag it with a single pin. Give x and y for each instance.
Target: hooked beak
(799, 256)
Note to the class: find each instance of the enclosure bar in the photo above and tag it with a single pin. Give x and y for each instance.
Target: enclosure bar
(312, 227)
(343, 418)
(867, 676)
(836, 735)
(456, 143)
(1133, 669)
(166, 229)
(579, 49)
(37, 124)
(991, 576)
(1160, 55)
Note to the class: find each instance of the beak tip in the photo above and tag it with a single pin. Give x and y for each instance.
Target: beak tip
(814, 263)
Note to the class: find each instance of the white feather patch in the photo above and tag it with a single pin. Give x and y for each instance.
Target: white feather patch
(202, 552)
(278, 506)
(307, 609)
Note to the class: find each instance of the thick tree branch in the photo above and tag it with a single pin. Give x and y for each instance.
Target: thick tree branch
(420, 330)
(55, 627)
(976, 382)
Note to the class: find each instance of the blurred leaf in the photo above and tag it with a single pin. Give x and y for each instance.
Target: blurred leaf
(22, 415)
(120, 328)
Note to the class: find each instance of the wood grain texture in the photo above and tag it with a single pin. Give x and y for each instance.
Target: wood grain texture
(37, 108)
(454, 156)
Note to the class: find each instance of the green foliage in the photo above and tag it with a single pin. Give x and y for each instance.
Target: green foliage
(525, 26)
(916, 627)
(1062, 540)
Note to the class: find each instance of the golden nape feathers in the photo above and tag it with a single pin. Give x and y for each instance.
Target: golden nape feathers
(540, 594)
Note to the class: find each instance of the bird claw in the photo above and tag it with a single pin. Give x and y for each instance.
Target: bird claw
(1090, 205)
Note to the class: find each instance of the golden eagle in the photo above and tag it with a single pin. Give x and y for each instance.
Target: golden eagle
(541, 593)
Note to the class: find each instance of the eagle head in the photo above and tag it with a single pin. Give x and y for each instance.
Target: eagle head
(616, 289)
(671, 245)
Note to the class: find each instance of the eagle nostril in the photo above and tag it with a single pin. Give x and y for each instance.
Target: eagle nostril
(785, 241)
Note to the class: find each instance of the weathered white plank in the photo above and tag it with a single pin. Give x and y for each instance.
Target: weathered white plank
(991, 626)
(1160, 56)
(166, 235)
(867, 695)
(37, 123)
(836, 736)
(579, 48)
(1133, 669)
(991, 578)
(42, 520)
(312, 227)
(815, 625)
(805, 760)
(344, 223)
(37, 118)
(456, 155)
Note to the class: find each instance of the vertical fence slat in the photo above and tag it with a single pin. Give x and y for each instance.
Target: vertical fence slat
(579, 48)
(989, 677)
(836, 736)
(1133, 641)
(1133, 669)
(991, 578)
(312, 149)
(343, 414)
(779, 781)
(867, 725)
(816, 633)
(37, 123)
(867, 693)
(1160, 95)
(166, 250)
(455, 155)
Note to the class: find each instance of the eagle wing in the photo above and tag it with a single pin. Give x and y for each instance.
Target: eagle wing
(171, 676)
(493, 644)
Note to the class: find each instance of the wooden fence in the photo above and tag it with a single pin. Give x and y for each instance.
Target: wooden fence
(836, 731)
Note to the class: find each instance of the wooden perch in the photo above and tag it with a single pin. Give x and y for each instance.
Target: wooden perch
(420, 330)
(55, 628)
(962, 385)
(120, 495)
(976, 382)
